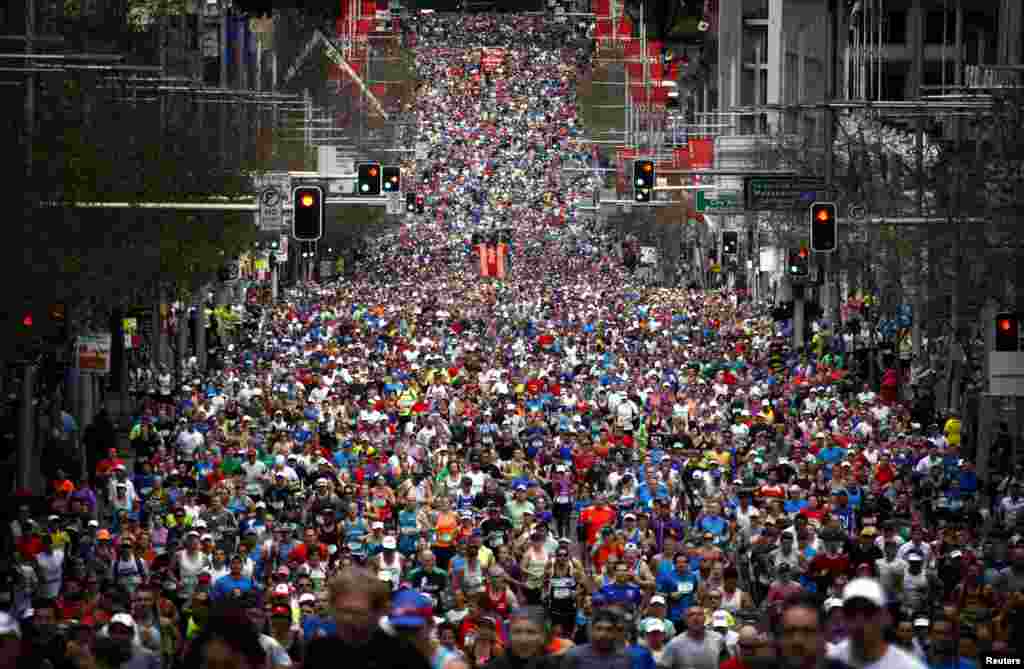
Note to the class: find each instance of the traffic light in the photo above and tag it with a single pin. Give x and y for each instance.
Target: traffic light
(730, 242)
(823, 227)
(421, 206)
(799, 262)
(368, 179)
(643, 180)
(307, 213)
(410, 202)
(392, 179)
(275, 245)
(1007, 332)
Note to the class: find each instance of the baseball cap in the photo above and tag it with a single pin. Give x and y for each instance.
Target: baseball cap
(653, 625)
(864, 588)
(377, 526)
(281, 612)
(123, 619)
(411, 609)
(389, 543)
(282, 590)
(832, 603)
(914, 557)
(922, 622)
(308, 598)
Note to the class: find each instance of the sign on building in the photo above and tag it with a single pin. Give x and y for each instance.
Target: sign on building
(92, 353)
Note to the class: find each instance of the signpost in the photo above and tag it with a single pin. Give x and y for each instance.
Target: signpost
(92, 353)
(723, 200)
(273, 194)
(395, 204)
(772, 193)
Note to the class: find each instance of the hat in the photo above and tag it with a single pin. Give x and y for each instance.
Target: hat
(411, 609)
(864, 588)
(282, 590)
(956, 554)
(123, 619)
(720, 619)
(868, 531)
(653, 625)
(377, 526)
(283, 571)
(657, 599)
(832, 603)
(922, 622)
(389, 543)
(281, 612)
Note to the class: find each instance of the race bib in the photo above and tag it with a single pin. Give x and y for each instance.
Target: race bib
(562, 499)
(684, 588)
(561, 593)
(446, 536)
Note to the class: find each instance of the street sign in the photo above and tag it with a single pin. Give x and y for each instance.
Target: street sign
(774, 193)
(395, 205)
(282, 250)
(273, 189)
(92, 353)
(709, 202)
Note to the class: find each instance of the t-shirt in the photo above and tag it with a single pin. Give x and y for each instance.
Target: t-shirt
(894, 658)
(685, 652)
(277, 656)
(585, 657)
(380, 652)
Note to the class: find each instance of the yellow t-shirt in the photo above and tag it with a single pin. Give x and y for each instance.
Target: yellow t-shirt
(952, 431)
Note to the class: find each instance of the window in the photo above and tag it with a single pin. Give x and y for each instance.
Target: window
(895, 29)
(938, 24)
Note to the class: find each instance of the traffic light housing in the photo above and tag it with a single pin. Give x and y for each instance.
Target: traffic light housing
(307, 213)
(421, 205)
(410, 202)
(368, 179)
(1007, 332)
(730, 242)
(823, 227)
(392, 181)
(643, 180)
(799, 262)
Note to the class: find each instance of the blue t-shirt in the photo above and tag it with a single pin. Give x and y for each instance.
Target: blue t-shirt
(226, 586)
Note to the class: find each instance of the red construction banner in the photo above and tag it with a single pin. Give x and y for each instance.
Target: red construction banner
(638, 92)
(603, 28)
(681, 157)
(603, 8)
(368, 9)
(625, 30)
(502, 251)
(702, 153)
(632, 49)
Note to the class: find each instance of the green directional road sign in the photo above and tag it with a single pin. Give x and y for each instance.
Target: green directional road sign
(777, 192)
(726, 199)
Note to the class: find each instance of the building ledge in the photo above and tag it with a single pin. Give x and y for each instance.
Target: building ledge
(756, 23)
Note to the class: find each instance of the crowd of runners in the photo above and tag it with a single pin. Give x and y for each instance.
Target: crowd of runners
(557, 466)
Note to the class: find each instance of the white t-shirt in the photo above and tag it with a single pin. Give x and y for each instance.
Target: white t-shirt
(277, 656)
(894, 658)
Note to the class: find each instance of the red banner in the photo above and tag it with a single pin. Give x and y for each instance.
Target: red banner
(603, 8)
(681, 157)
(492, 260)
(625, 31)
(702, 153)
(603, 28)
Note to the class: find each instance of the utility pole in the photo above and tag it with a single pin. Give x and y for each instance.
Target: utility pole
(30, 87)
(26, 427)
(831, 47)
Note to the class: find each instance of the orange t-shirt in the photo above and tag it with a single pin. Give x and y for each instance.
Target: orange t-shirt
(446, 529)
(596, 518)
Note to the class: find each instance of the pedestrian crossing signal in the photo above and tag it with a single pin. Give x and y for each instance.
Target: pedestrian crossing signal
(410, 202)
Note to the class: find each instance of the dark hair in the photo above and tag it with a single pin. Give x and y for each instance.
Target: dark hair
(605, 615)
(799, 600)
(232, 627)
(730, 572)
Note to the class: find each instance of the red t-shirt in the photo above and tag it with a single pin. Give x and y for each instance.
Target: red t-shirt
(595, 518)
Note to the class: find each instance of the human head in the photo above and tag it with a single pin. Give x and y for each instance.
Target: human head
(526, 632)
(801, 639)
(865, 614)
(358, 600)
(228, 641)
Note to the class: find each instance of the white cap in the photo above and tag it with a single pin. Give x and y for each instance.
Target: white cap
(123, 619)
(720, 619)
(389, 543)
(653, 625)
(377, 526)
(657, 599)
(864, 588)
(282, 589)
(308, 597)
(9, 626)
(832, 603)
(922, 622)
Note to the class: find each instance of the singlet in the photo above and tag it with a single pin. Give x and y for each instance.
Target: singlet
(499, 603)
(563, 593)
(390, 572)
(473, 579)
(534, 569)
(732, 603)
(445, 529)
(190, 570)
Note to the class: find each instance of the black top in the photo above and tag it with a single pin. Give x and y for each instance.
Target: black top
(381, 652)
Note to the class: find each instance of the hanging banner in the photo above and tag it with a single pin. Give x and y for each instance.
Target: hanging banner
(92, 353)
